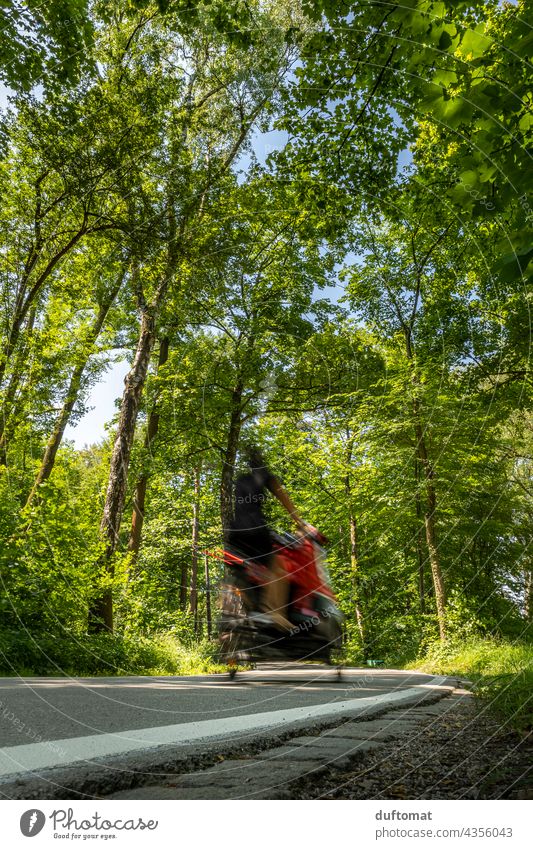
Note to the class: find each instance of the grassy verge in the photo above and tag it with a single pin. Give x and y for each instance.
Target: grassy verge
(501, 673)
(103, 654)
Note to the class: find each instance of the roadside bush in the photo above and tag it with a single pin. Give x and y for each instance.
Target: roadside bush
(102, 654)
(501, 673)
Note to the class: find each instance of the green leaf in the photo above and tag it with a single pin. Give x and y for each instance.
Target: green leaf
(474, 44)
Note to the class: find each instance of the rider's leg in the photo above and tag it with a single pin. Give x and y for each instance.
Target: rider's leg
(275, 591)
(276, 595)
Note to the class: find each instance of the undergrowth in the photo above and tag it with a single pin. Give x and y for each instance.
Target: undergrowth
(103, 654)
(501, 673)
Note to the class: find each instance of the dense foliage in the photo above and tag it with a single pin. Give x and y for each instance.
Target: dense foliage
(358, 304)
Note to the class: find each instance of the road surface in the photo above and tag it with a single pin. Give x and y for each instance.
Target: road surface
(46, 723)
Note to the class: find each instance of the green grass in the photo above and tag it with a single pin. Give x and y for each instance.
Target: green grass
(22, 653)
(501, 673)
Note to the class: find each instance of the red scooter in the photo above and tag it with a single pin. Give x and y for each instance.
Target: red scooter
(312, 608)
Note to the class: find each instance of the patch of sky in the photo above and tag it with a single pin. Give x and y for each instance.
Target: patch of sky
(5, 94)
(102, 406)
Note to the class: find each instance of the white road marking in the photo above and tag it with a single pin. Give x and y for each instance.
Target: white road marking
(53, 753)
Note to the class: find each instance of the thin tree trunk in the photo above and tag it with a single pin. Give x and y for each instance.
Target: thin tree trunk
(207, 596)
(430, 512)
(354, 562)
(101, 613)
(184, 582)
(193, 600)
(429, 522)
(73, 392)
(528, 599)
(354, 552)
(419, 541)
(139, 498)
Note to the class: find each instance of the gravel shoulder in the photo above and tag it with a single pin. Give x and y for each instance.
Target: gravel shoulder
(461, 752)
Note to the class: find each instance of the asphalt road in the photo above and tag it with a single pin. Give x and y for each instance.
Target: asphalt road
(58, 708)
(49, 722)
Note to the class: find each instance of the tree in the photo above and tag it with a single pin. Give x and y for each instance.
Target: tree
(394, 300)
(152, 428)
(44, 43)
(223, 91)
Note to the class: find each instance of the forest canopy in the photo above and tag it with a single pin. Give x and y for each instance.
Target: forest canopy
(357, 303)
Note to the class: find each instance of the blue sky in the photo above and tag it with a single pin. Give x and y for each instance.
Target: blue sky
(91, 427)
(4, 92)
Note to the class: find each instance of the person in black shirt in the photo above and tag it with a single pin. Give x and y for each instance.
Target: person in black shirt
(250, 534)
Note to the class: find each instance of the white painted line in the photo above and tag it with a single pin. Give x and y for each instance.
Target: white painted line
(53, 753)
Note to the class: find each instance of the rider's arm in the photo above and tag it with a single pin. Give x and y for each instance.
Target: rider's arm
(283, 497)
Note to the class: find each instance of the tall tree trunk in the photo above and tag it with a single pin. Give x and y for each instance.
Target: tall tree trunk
(184, 583)
(73, 392)
(420, 541)
(354, 562)
(139, 498)
(230, 455)
(101, 612)
(193, 599)
(429, 522)
(207, 596)
(430, 512)
(354, 552)
(528, 595)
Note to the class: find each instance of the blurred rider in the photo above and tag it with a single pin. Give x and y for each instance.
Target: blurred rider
(249, 532)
